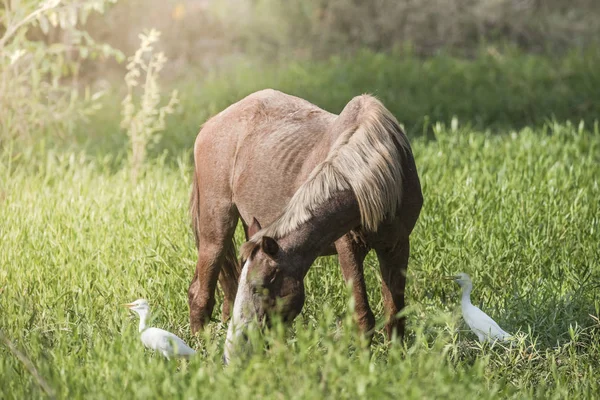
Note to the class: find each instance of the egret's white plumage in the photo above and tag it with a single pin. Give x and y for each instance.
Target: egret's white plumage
(480, 323)
(166, 343)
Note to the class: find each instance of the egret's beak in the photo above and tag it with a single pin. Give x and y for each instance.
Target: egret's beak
(129, 305)
(449, 278)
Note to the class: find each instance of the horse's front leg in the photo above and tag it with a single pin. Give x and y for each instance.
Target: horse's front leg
(351, 255)
(393, 262)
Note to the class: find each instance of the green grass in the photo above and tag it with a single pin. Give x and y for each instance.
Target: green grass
(519, 211)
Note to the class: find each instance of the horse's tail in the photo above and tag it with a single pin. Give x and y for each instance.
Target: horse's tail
(230, 269)
(195, 209)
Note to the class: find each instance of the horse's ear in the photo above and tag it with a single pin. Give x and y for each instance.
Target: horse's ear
(254, 227)
(269, 246)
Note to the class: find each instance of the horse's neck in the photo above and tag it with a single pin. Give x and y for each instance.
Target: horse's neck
(330, 221)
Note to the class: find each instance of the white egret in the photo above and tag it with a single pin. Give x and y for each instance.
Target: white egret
(480, 323)
(168, 344)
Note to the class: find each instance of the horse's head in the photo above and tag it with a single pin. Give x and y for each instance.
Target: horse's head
(271, 281)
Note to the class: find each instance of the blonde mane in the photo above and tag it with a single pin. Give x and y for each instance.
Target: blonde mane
(366, 158)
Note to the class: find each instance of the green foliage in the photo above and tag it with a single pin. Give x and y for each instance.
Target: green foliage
(519, 212)
(499, 91)
(42, 48)
(493, 90)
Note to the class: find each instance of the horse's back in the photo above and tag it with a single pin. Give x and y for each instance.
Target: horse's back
(261, 149)
(262, 119)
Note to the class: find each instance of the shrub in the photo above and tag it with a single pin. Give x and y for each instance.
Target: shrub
(318, 29)
(143, 121)
(498, 89)
(41, 51)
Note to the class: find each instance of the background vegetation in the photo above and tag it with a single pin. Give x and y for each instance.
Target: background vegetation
(501, 105)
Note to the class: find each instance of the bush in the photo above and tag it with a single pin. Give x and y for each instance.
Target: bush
(319, 29)
(499, 90)
(211, 34)
(38, 75)
(496, 90)
(144, 120)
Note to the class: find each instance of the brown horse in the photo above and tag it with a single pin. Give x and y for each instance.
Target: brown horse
(321, 184)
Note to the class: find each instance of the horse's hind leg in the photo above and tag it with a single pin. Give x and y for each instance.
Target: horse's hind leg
(215, 245)
(351, 256)
(228, 279)
(393, 262)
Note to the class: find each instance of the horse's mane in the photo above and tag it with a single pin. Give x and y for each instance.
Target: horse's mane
(367, 158)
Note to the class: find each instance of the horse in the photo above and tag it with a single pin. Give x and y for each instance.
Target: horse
(320, 184)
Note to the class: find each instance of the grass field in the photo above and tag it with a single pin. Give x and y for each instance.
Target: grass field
(519, 211)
